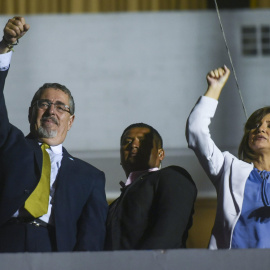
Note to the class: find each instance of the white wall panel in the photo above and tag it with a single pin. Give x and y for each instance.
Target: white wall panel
(137, 67)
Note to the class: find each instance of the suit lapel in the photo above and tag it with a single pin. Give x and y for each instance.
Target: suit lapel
(66, 167)
(37, 150)
(62, 191)
(125, 190)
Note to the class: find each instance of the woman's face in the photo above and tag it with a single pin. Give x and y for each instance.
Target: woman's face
(259, 137)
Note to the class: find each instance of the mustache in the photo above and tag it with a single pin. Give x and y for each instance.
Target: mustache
(45, 118)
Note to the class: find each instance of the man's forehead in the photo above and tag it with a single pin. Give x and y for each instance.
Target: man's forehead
(53, 93)
(137, 131)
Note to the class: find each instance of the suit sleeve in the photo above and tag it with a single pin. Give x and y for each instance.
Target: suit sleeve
(173, 207)
(91, 228)
(4, 121)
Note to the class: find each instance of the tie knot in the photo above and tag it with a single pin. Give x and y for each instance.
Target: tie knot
(45, 146)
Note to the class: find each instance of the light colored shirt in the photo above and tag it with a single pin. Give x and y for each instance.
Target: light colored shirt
(252, 229)
(56, 155)
(5, 59)
(134, 175)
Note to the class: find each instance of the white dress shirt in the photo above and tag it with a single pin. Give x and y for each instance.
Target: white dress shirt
(5, 59)
(56, 155)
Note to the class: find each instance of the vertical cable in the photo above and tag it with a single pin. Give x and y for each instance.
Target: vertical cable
(229, 54)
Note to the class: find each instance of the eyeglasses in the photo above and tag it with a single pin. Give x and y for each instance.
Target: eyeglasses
(60, 107)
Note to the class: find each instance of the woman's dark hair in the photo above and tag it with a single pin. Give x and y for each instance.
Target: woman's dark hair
(254, 121)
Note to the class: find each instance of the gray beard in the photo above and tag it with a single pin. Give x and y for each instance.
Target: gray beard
(44, 133)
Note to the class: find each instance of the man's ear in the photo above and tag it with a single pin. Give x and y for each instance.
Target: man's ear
(161, 154)
(71, 120)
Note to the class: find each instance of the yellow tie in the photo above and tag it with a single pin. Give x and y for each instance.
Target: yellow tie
(37, 202)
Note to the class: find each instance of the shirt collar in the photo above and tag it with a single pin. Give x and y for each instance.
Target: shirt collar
(56, 149)
(134, 175)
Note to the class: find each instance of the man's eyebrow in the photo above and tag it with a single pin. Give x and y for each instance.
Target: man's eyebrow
(56, 102)
(59, 102)
(126, 137)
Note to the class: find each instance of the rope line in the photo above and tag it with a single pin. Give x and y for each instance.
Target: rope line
(229, 54)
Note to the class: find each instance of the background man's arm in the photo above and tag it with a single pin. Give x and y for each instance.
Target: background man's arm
(174, 202)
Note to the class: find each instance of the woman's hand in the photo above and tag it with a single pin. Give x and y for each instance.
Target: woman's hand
(216, 80)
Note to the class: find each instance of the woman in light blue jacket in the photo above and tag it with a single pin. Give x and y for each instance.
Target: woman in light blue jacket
(242, 184)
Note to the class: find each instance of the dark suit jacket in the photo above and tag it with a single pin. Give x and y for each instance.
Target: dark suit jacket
(154, 212)
(80, 206)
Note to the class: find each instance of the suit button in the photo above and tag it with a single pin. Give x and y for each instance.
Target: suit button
(27, 191)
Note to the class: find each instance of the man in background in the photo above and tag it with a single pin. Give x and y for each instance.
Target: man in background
(155, 208)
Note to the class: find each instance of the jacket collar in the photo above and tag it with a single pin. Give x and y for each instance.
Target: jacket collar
(240, 172)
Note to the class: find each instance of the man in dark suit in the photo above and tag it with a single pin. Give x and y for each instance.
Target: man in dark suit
(155, 208)
(75, 208)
